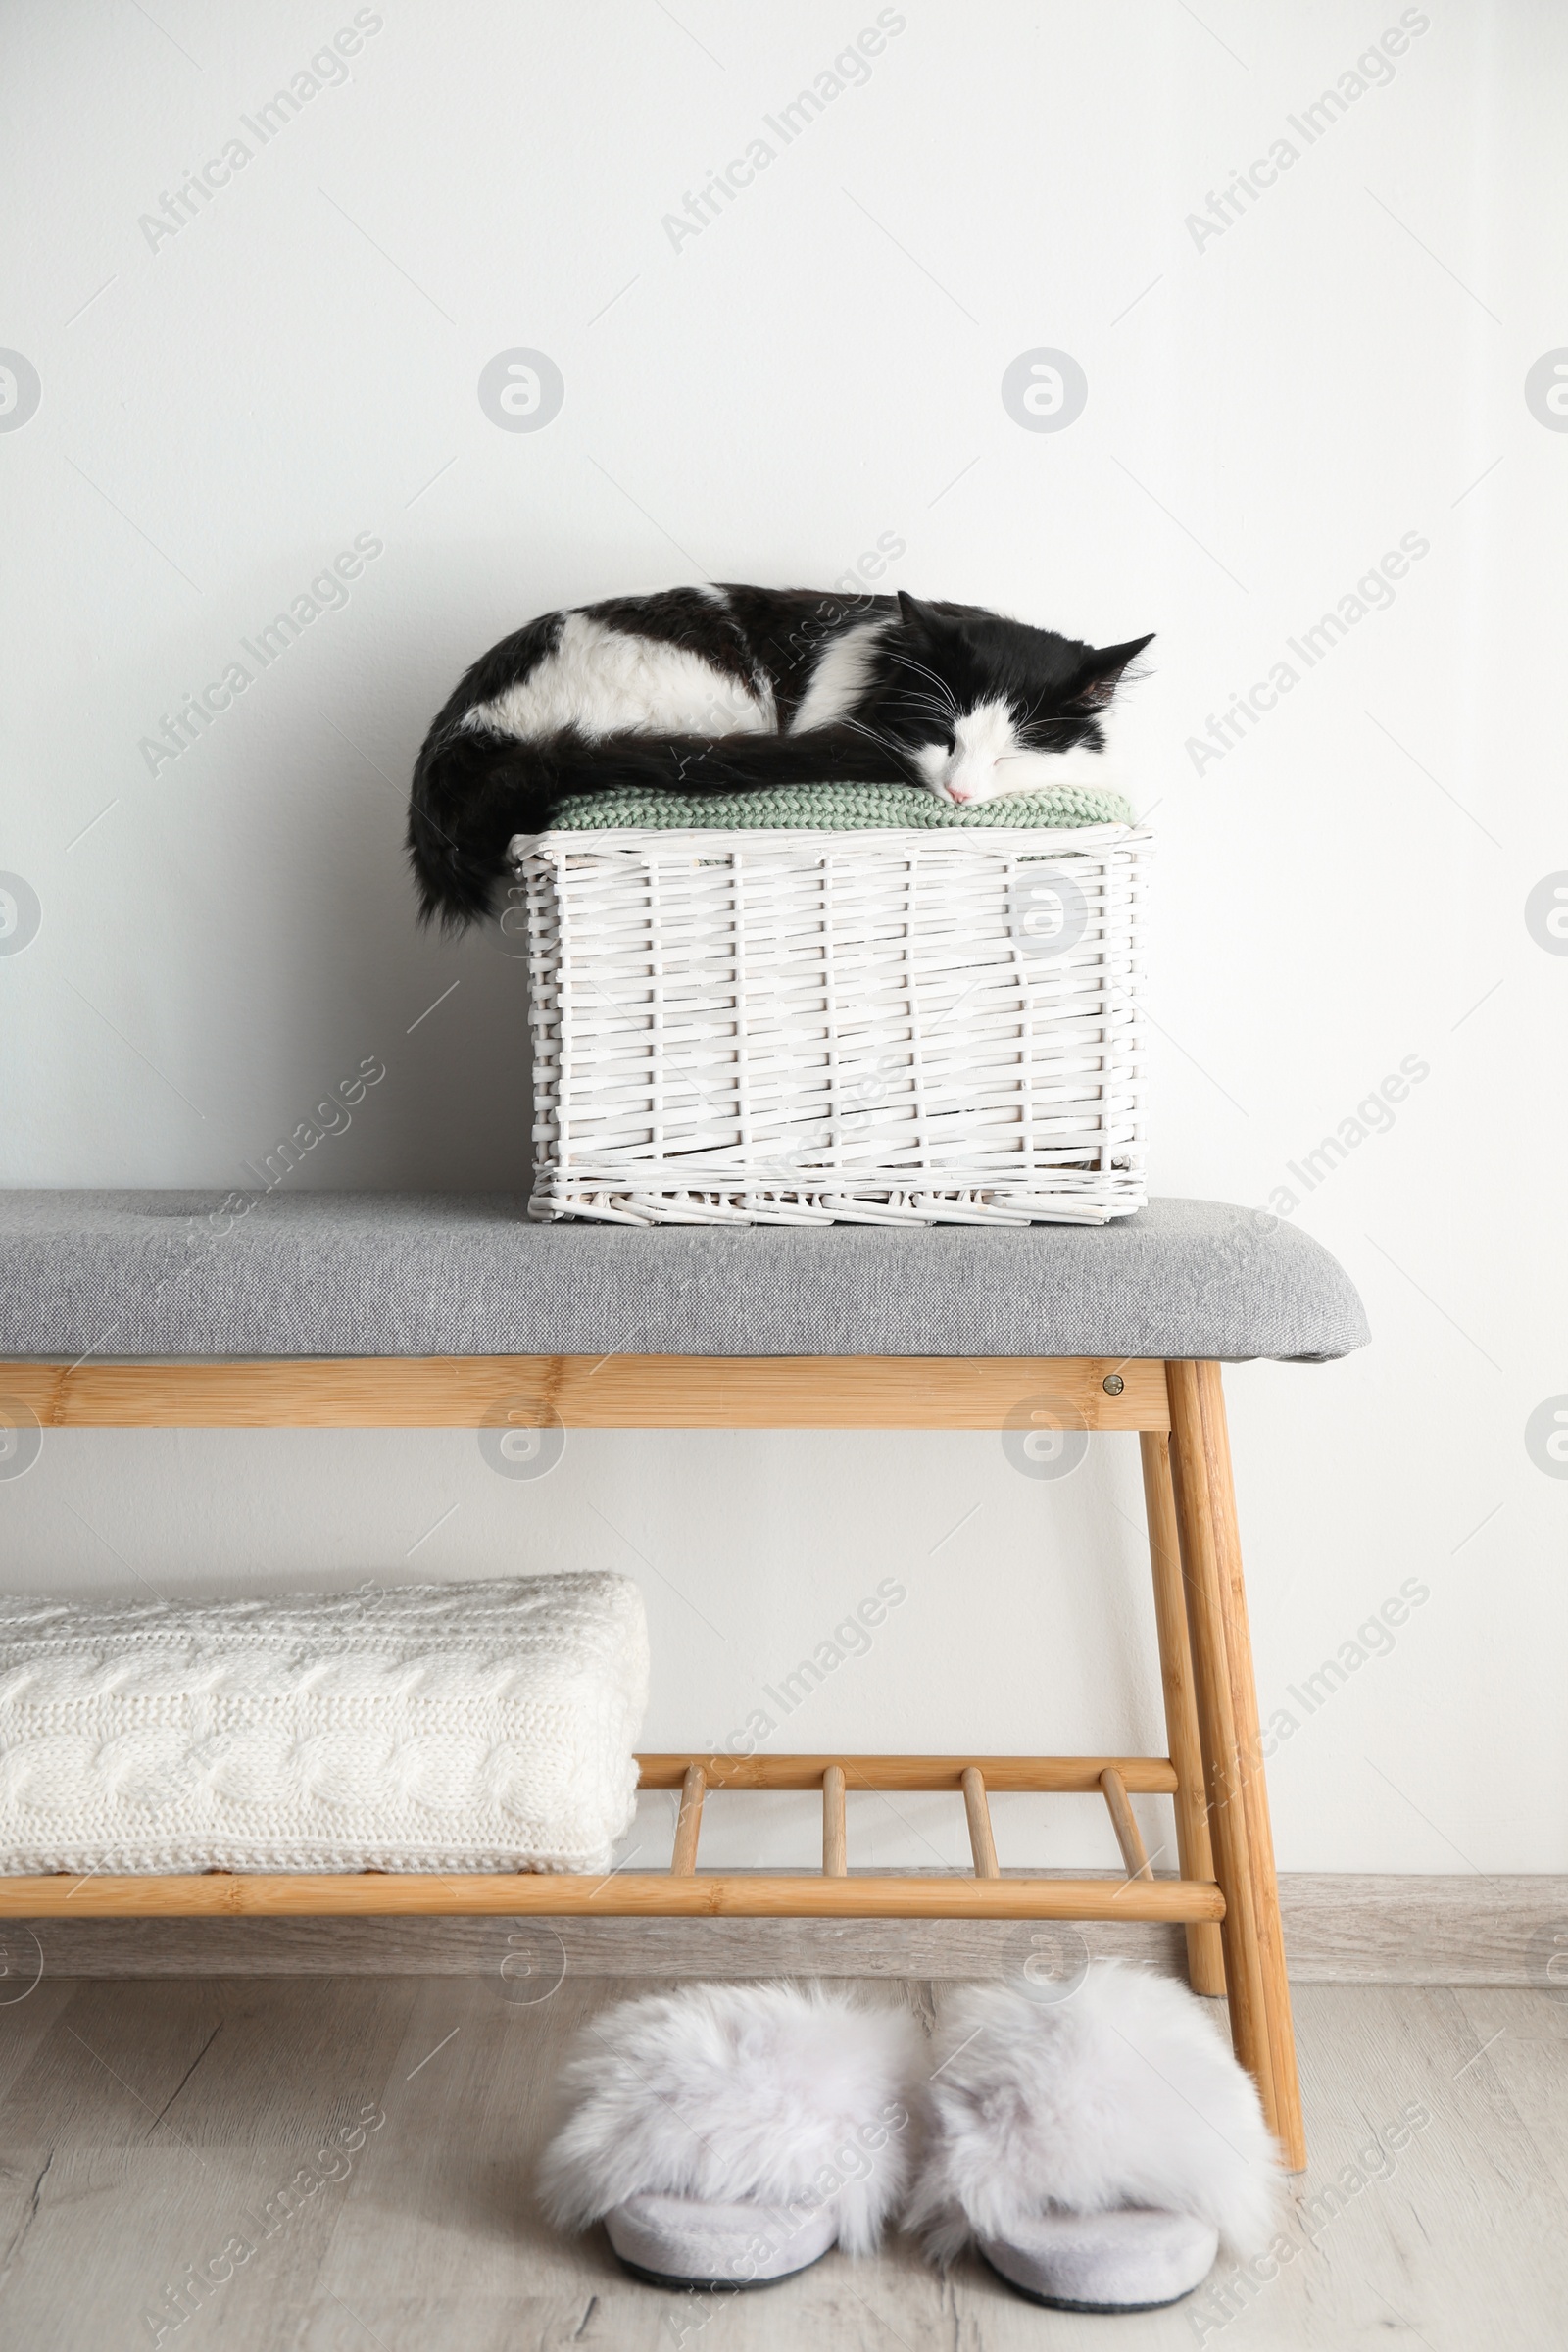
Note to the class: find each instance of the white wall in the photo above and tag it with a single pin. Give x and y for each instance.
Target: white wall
(1271, 408)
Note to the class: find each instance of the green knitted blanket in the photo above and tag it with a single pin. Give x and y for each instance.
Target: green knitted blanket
(834, 808)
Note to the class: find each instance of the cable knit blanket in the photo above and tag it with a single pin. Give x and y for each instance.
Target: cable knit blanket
(455, 1727)
(835, 808)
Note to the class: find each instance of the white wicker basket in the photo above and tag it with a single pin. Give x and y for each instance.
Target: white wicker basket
(888, 1027)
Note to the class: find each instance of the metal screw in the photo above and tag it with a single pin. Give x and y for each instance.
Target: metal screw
(1113, 1383)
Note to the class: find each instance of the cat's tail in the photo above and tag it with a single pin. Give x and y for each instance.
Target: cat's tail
(474, 789)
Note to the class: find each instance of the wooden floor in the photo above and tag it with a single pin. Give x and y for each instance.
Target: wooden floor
(148, 2124)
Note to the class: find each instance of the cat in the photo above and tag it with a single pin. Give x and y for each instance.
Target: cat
(734, 689)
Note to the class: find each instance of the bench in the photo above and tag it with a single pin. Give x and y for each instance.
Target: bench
(357, 1310)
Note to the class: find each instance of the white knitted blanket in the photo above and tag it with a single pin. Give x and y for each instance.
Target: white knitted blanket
(437, 1726)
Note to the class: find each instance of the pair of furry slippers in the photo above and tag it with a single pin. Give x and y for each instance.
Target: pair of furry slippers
(1095, 2148)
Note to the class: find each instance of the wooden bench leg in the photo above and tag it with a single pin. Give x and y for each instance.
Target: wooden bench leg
(1260, 1832)
(1227, 1710)
(1195, 1853)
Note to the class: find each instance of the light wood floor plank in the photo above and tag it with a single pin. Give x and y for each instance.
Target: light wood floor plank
(279, 2071)
(22, 2025)
(110, 2064)
(182, 2121)
(146, 2124)
(118, 2229)
(467, 2111)
(1522, 2040)
(1454, 2237)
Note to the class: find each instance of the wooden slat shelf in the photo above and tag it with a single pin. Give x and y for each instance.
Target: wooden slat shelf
(1003, 1776)
(682, 1891)
(646, 1893)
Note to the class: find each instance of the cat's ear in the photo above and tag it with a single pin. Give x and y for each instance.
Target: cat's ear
(912, 613)
(1102, 671)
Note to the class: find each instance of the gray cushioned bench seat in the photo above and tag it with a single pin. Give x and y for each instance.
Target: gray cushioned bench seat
(127, 1274)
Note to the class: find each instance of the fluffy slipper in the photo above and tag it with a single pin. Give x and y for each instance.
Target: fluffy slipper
(730, 2135)
(1095, 2149)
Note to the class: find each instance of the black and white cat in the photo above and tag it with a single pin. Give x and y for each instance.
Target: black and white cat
(733, 689)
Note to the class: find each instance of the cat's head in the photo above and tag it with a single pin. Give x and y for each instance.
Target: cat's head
(985, 705)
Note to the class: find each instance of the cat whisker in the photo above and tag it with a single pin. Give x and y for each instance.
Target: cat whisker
(907, 662)
(925, 706)
(857, 726)
(895, 750)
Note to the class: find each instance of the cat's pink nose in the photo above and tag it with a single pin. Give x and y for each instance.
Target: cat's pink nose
(956, 794)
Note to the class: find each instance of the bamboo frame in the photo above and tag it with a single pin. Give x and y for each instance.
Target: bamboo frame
(1258, 1995)
(1286, 2113)
(1194, 1852)
(1074, 1775)
(835, 1827)
(1226, 1895)
(585, 1392)
(1129, 1836)
(688, 1823)
(646, 1895)
(982, 1844)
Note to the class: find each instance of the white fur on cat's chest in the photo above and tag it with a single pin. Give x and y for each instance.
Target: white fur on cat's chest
(603, 681)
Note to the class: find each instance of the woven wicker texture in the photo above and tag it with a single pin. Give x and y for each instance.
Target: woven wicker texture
(486, 1726)
(893, 1027)
(836, 809)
